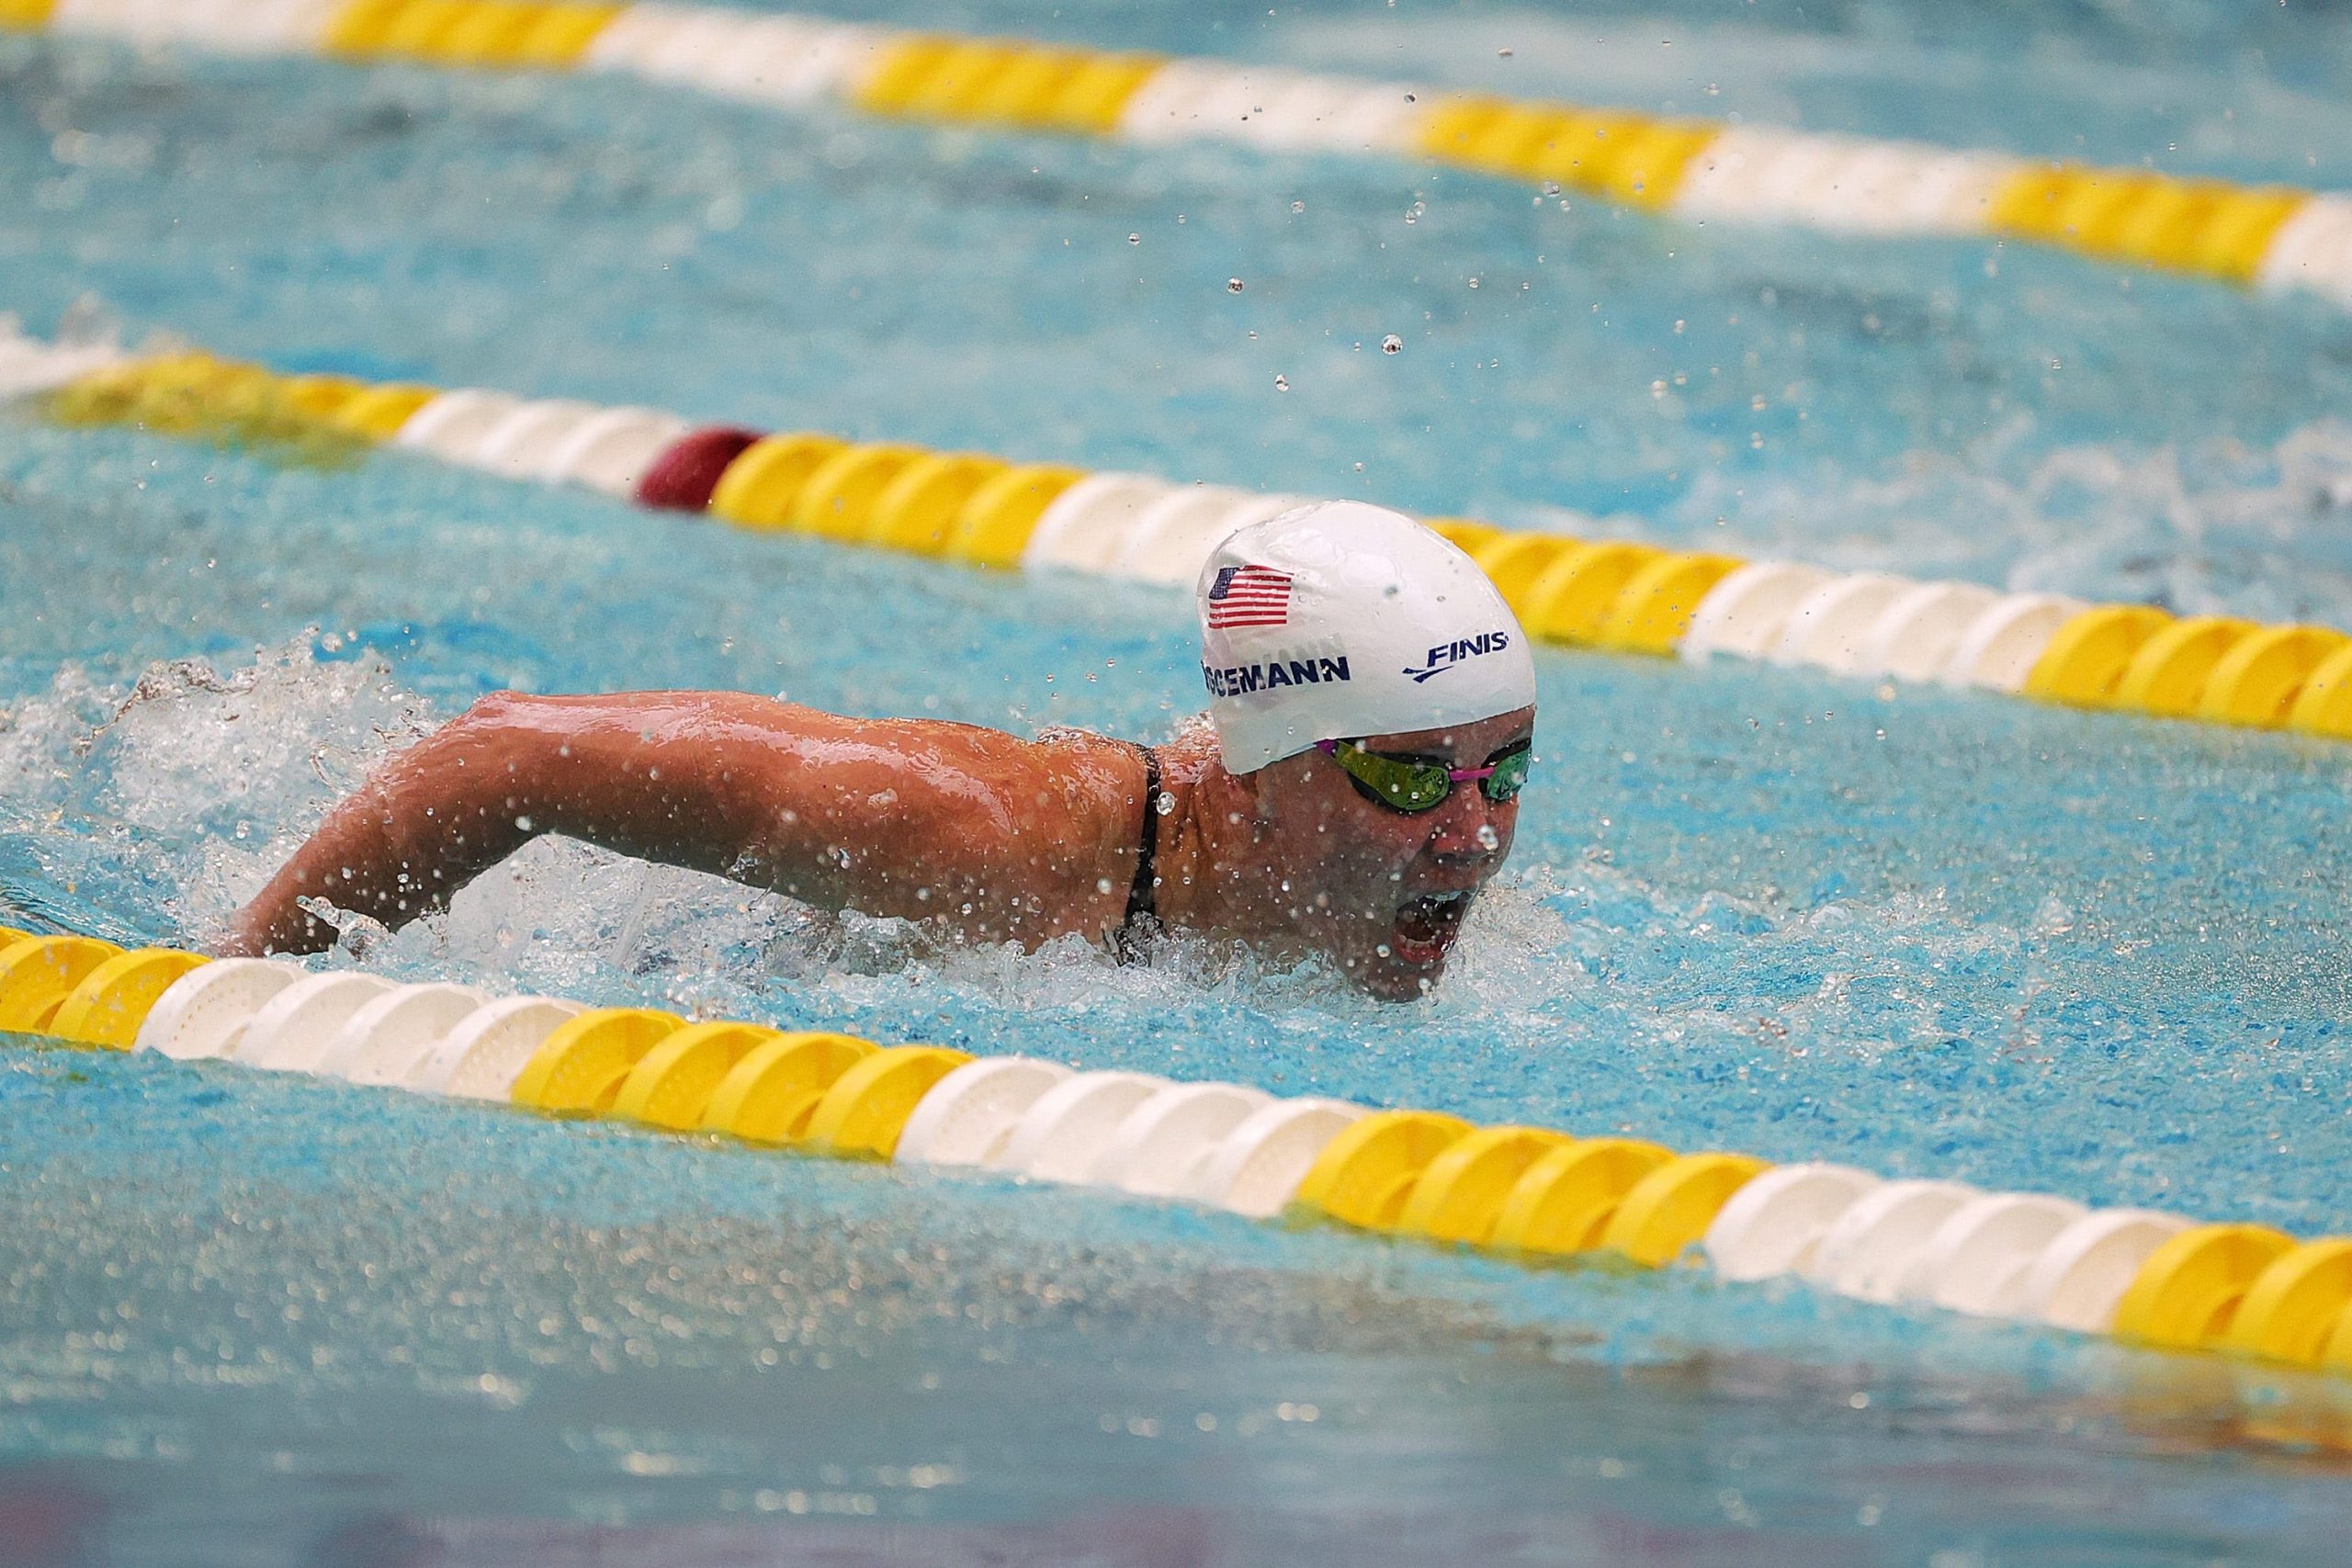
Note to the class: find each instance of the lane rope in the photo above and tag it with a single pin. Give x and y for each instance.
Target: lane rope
(2268, 237)
(1527, 1194)
(1614, 596)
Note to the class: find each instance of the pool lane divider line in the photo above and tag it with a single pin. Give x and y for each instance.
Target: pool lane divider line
(2270, 237)
(1615, 595)
(1526, 1194)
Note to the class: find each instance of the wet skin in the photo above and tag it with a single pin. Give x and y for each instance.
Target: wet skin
(984, 834)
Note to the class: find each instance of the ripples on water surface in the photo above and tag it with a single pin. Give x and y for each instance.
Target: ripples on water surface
(256, 1320)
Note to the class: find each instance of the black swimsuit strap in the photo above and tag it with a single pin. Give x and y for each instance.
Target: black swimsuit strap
(1142, 893)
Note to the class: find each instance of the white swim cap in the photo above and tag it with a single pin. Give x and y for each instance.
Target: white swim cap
(1341, 619)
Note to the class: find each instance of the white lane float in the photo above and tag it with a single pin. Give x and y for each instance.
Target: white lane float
(2313, 250)
(1064, 1131)
(1154, 1151)
(2079, 1278)
(709, 49)
(1257, 1167)
(295, 1025)
(1862, 193)
(1794, 176)
(1082, 528)
(1304, 114)
(967, 1115)
(1998, 650)
(1170, 538)
(518, 447)
(386, 1039)
(1743, 615)
(207, 1009)
(1867, 1251)
(1978, 1256)
(485, 1053)
(228, 27)
(1826, 629)
(1173, 104)
(786, 59)
(28, 366)
(1379, 116)
(832, 54)
(1915, 634)
(611, 451)
(1772, 1224)
(451, 427)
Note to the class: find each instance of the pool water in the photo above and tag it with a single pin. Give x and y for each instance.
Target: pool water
(1928, 933)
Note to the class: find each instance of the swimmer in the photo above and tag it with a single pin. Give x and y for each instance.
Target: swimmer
(1372, 710)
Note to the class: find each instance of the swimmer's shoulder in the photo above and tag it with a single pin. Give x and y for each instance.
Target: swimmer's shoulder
(1085, 761)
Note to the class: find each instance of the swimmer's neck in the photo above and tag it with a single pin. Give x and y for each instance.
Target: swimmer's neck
(1211, 874)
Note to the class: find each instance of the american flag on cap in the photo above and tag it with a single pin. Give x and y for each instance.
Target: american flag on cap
(1249, 596)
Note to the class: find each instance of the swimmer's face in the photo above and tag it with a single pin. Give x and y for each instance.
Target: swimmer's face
(1384, 891)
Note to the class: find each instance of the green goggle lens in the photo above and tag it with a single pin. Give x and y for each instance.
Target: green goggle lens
(1509, 775)
(1422, 783)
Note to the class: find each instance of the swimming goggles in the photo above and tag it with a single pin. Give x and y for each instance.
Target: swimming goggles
(1422, 783)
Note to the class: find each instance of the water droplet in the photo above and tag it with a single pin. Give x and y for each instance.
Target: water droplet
(1282, 383)
(1163, 803)
(1392, 344)
(1487, 836)
(1298, 207)
(1134, 239)
(1233, 285)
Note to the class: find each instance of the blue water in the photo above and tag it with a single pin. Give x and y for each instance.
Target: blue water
(256, 1321)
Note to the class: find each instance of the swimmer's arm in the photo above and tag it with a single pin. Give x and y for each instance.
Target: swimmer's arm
(996, 837)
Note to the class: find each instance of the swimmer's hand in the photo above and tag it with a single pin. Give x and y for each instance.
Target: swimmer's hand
(998, 838)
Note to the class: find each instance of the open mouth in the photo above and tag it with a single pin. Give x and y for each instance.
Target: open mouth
(1427, 925)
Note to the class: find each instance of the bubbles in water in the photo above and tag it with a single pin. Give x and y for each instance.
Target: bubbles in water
(1392, 344)
(1233, 285)
(1487, 836)
(152, 783)
(1134, 239)
(1282, 383)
